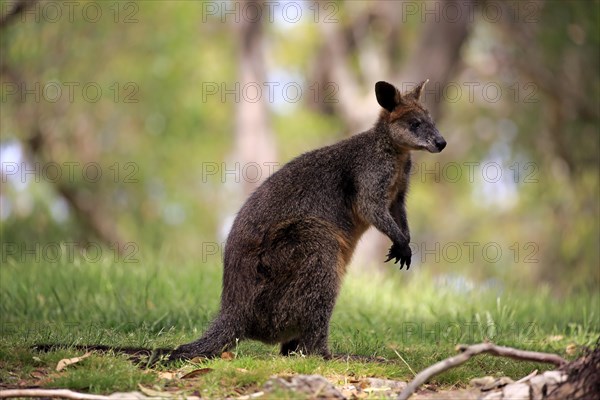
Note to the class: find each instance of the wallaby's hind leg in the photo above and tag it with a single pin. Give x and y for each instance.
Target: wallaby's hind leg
(303, 263)
(315, 332)
(220, 335)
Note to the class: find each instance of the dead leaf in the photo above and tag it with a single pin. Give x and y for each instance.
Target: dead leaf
(363, 384)
(571, 349)
(166, 375)
(227, 355)
(196, 373)
(243, 370)
(38, 374)
(65, 362)
(154, 393)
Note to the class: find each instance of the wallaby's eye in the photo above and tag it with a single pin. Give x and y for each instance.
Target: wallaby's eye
(414, 124)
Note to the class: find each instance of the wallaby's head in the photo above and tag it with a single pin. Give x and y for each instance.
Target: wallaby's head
(406, 119)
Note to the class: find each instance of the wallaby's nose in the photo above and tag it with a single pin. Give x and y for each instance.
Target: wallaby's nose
(440, 143)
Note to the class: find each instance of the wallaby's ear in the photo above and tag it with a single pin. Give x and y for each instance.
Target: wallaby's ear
(388, 96)
(417, 91)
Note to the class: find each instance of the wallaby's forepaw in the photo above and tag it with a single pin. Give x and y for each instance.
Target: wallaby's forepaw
(400, 252)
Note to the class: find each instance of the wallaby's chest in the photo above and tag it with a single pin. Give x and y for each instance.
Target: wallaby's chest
(399, 181)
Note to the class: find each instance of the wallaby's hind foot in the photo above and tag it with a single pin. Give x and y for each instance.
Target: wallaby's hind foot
(295, 346)
(313, 343)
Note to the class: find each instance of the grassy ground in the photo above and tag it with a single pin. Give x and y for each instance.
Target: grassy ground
(403, 326)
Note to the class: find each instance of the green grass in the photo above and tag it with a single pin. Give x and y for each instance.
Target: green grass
(404, 317)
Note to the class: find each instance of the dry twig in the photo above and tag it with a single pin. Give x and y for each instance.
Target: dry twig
(469, 351)
(50, 393)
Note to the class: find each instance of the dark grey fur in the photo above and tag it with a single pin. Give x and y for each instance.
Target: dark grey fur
(289, 245)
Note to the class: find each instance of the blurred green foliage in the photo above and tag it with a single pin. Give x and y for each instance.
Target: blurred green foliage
(153, 132)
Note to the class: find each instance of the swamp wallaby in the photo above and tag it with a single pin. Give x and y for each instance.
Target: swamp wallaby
(289, 246)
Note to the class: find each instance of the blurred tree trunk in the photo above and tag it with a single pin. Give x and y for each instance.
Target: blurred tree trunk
(254, 141)
(566, 82)
(40, 146)
(435, 57)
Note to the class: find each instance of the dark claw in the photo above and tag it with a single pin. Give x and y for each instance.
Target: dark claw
(400, 252)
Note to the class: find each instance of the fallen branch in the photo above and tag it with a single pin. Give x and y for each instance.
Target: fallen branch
(51, 393)
(469, 351)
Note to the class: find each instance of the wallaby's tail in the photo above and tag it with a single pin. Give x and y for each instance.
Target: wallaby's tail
(147, 356)
(220, 335)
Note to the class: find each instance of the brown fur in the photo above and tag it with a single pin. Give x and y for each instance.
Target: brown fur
(345, 254)
(404, 110)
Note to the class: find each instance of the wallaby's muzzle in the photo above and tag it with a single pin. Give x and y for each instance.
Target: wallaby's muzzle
(435, 142)
(440, 143)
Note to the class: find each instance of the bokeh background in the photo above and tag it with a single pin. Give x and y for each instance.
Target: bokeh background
(136, 129)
